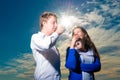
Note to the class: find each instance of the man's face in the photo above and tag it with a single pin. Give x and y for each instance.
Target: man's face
(51, 25)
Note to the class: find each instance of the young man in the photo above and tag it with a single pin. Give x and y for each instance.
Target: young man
(45, 53)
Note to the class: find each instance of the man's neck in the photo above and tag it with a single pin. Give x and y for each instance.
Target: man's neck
(45, 32)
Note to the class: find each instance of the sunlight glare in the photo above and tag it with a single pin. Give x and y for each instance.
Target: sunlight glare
(67, 21)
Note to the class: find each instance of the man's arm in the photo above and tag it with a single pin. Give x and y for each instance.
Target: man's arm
(42, 42)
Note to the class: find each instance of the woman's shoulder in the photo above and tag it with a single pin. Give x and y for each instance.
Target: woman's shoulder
(87, 52)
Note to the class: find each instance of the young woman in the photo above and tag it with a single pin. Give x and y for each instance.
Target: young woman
(82, 57)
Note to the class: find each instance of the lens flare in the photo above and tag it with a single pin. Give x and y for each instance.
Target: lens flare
(67, 21)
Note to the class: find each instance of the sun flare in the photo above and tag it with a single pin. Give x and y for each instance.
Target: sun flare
(68, 21)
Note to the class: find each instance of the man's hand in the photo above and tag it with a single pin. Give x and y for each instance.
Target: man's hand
(60, 30)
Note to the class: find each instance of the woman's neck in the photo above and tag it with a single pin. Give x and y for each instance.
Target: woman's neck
(83, 50)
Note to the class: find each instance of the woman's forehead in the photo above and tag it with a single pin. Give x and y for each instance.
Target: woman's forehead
(77, 30)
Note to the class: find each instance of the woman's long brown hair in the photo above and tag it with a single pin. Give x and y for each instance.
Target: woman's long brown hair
(89, 42)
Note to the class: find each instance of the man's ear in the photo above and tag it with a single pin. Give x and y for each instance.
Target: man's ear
(44, 22)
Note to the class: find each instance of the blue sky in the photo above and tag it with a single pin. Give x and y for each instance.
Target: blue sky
(19, 19)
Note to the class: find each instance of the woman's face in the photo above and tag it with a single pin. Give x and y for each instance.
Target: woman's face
(79, 32)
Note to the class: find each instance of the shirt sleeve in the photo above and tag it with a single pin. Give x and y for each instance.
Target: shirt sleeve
(70, 59)
(94, 67)
(42, 42)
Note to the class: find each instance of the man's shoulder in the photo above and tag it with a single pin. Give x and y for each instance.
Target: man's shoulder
(37, 33)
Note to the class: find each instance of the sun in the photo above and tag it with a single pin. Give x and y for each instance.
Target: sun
(71, 20)
(67, 21)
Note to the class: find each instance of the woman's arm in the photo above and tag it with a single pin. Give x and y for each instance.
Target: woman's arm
(94, 67)
(70, 59)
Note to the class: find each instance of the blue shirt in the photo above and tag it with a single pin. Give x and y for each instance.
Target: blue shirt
(73, 63)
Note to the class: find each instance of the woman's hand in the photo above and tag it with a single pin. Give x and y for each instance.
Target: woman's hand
(74, 38)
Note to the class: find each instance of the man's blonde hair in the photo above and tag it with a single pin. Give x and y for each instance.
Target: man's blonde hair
(45, 16)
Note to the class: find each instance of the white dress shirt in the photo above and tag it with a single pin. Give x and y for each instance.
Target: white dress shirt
(46, 56)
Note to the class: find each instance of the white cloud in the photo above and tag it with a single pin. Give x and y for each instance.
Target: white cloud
(21, 67)
(8, 71)
(94, 17)
(105, 7)
(103, 37)
(115, 11)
